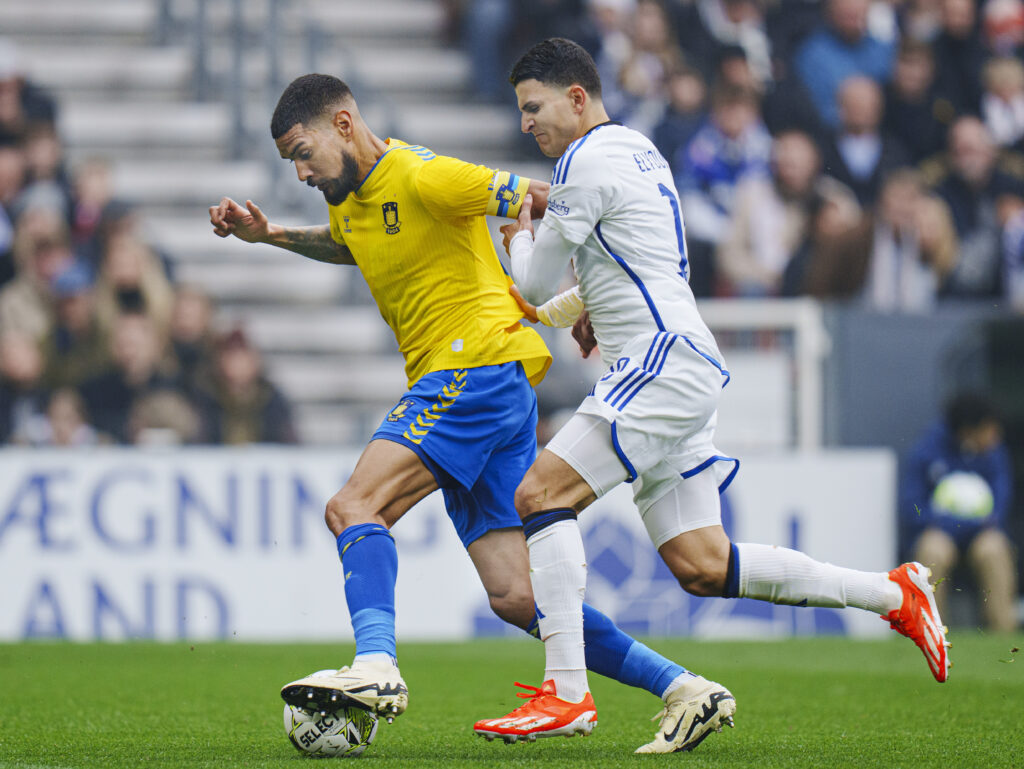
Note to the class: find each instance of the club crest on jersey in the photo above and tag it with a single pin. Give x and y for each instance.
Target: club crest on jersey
(506, 194)
(391, 223)
(399, 411)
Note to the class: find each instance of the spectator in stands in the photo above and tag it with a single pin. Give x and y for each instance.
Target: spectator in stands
(42, 249)
(920, 20)
(192, 337)
(12, 181)
(684, 111)
(859, 153)
(119, 220)
(139, 366)
(78, 346)
(22, 396)
(1011, 216)
(243, 406)
(913, 247)
(731, 145)
(1003, 27)
(164, 417)
(1002, 103)
(916, 114)
(645, 72)
(132, 279)
(611, 20)
(970, 180)
(772, 216)
(48, 183)
(66, 423)
(959, 55)
(22, 104)
(839, 49)
(831, 263)
(92, 191)
(707, 28)
(955, 491)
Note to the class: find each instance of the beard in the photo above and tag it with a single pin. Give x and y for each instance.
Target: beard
(337, 189)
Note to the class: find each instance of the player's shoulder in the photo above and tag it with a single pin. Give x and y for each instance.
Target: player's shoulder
(588, 157)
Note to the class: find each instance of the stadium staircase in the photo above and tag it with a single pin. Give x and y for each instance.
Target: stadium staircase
(137, 83)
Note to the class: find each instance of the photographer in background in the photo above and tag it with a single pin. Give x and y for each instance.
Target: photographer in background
(955, 491)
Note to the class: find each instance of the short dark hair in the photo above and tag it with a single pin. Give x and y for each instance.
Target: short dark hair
(305, 99)
(968, 410)
(559, 62)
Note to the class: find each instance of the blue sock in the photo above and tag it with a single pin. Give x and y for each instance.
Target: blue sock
(614, 654)
(370, 564)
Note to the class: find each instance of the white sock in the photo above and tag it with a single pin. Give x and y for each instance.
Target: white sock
(680, 680)
(785, 576)
(558, 572)
(375, 657)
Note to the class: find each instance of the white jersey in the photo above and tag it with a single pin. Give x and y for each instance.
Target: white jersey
(613, 195)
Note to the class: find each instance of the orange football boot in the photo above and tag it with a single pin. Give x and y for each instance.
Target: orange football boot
(918, 617)
(545, 714)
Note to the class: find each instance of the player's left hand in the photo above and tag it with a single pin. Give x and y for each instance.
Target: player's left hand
(529, 310)
(523, 223)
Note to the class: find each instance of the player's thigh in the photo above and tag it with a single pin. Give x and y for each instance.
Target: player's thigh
(503, 563)
(388, 479)
(685, 525)
(578, 465)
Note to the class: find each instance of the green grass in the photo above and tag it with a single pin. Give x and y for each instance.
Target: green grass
(806, 703)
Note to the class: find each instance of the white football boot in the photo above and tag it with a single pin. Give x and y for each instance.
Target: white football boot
(691, 713)
(375, 685)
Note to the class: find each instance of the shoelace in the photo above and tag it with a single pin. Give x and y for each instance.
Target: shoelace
(537, 692)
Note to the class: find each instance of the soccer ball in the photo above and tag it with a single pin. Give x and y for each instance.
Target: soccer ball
(963, 495)
(342, 733)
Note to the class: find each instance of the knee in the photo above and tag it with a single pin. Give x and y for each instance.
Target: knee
(514, 608)
(343, 510)
(701, 573)
(528, 497)
(936, 549)
(992, 545)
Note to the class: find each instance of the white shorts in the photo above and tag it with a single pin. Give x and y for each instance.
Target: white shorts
(651, 420)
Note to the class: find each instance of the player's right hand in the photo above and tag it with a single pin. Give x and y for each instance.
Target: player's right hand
(249, 223)
(529, 310)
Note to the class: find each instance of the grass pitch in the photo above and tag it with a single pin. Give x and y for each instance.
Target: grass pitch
(801, 703)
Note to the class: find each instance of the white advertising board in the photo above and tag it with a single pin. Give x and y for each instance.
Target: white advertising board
(115, 544)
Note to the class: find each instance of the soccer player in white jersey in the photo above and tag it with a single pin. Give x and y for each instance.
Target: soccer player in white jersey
(650, 419)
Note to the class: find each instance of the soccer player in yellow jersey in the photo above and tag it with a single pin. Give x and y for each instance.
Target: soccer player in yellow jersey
(413, 223)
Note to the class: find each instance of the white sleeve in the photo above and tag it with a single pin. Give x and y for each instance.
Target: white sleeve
(538, 265)
(563, 310)
(576, 200)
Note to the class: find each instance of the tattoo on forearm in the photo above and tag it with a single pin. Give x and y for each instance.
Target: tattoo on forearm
(315, 243)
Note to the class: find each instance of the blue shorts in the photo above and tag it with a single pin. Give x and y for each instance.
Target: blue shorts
(476, 430)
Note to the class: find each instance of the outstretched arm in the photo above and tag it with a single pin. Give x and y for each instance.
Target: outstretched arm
(538, 266)
(250, 224)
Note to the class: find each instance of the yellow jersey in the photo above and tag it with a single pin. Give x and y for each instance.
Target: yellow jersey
(416, 229)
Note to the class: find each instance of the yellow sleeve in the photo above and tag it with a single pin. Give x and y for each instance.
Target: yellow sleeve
(450, 187)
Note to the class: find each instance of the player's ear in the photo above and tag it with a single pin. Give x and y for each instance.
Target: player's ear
(342, 121)
(579, 98)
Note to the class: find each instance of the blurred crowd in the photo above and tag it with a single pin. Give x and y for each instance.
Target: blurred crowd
(864, 150)
(98, 343)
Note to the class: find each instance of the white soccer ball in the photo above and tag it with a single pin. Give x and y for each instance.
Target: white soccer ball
(963, 495)
(342, 733)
